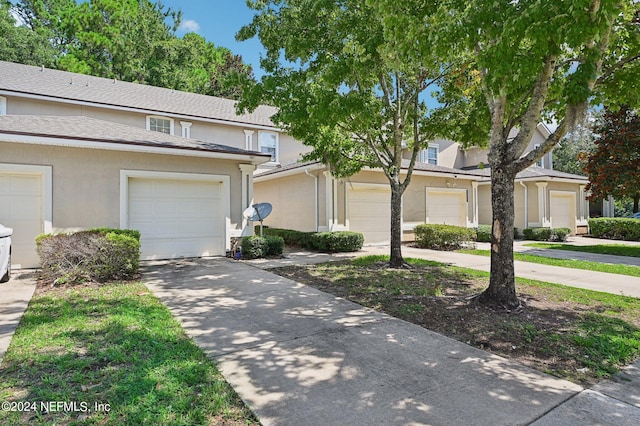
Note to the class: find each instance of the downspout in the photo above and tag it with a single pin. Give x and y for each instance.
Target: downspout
(526, 204)
(315, 199)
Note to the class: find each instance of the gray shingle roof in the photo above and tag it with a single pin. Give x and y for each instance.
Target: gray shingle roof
(535, 173)
(26, 79)
(91, 129)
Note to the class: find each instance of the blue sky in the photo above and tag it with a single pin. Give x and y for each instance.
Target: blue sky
(218, 21)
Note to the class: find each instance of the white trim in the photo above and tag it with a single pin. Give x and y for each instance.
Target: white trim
(186, 129)
(474, 198)
(113, 146)
(3, 105)
(247, 196)
(160, 117)
(224, 179)
(542, 205)
(138, 110)
(47, 188)
(248, 139)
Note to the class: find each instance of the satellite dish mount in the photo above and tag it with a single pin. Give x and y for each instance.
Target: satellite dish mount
(258, 212)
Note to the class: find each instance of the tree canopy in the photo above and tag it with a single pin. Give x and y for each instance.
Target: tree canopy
(613, 166)
(131, 40)
(525, 61)
(342, 88)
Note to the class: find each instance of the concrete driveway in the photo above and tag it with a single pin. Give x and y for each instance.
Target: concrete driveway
(299, 356)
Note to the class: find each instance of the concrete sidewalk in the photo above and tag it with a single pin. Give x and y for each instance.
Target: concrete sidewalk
(299, 356)
(14, 298)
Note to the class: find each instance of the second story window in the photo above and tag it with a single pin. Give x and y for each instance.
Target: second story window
(160, 124)
(268, 144)
(429, 155)
(3, 105)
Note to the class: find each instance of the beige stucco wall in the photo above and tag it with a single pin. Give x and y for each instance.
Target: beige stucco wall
(86, 182)
(292, 200)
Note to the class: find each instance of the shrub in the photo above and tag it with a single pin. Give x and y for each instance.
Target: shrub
(546, 234)
(443, 237)
(254, 247)
(275, 245)
(100, 255)
(333, 242)
(615, 228)
(483, 234)
(291, 237)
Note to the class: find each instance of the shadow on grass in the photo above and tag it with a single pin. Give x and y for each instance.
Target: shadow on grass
(119, 347)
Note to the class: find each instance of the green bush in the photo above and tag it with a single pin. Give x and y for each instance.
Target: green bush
(546, 234)
(443, 237)
(254, 247)
(615, 228)
(291, 237)
(483, 234)
(101, 255)
(333, 242)
(275, 245)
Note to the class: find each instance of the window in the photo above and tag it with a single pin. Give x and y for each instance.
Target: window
(268, 144)
(3, 105)
(540, 162)
(160, 124)
(429, 155)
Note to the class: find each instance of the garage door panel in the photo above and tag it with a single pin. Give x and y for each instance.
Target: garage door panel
(448, 208)
(177, 218)
(21, 208)
(370, 213)
(562, 211)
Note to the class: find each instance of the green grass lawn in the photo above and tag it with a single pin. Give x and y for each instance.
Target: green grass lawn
(116, 348)
(613, 249)
(578, 334)
(630, 270)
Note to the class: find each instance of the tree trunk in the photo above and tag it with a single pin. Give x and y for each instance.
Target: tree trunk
(502, 290)
(395, 259)
(636, 199)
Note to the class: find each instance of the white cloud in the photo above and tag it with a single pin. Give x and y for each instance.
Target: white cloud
(189, 26)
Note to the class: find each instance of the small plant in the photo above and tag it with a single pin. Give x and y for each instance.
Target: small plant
(254, 247)
(443, 237)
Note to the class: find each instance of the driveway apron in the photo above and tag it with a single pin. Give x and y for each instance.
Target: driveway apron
(298, 356)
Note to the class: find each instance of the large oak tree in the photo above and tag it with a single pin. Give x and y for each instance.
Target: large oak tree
(343, 88)
(527, 61)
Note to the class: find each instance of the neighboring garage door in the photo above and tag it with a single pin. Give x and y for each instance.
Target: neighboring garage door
(177, 217)
(447, 207)
(21, 208)
(563, 207)
(369, 212)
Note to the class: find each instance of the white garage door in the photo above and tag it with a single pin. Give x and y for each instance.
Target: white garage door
(21, 208)
(563, 207)
(447, 207)
(370, 213)
(177, 218)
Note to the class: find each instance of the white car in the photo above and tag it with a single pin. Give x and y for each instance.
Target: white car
(5, 253)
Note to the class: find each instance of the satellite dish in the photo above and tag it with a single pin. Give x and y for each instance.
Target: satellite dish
(258, 211)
